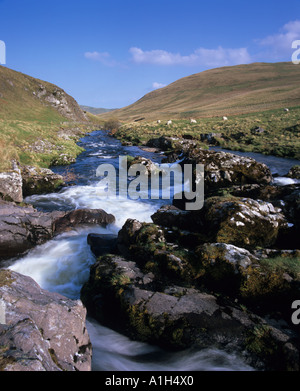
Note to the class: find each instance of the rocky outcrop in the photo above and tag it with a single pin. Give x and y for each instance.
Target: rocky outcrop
(58, 99)
(173, 144)
(40, 331)
(120, 294)
(223, 169)
(11, 185)
(242, 222)
(294, 172)
(39, 180)
(101, 244)
(22, 228)
(26, 181)
(81, 217)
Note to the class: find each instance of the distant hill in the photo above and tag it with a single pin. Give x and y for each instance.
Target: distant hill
(222, 91)
(94, 110)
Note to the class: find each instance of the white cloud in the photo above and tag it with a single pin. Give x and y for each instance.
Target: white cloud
(200, 57)
(156, 85)
(280, 44)
(103, 57)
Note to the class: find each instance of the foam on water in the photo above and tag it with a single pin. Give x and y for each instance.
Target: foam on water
(283, 181)
(115, 352)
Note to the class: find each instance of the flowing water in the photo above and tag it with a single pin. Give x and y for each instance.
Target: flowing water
(62, 264)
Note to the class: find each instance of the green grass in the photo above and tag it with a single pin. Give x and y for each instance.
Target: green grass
(280, 138)
(30, 125)
(18, 139)
(290, 265)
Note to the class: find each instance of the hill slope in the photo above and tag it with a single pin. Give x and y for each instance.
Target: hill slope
(23, 97)
(231, 90)
(38, 121)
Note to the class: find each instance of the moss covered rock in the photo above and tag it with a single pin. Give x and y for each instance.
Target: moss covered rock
(40, 180)
(120, 295)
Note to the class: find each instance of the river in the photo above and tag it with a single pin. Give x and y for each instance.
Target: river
(62, 264)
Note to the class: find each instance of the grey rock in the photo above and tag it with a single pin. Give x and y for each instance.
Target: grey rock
(101, 244)
(177, 317)
(43, 331)
(39, 180)
(22, 228)
(11, 185)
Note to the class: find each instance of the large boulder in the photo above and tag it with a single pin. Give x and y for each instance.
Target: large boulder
(243, 222)
(119, 294)
(23, 227)
(101, 244)
(82, 216)
(40, 180)
(294, 172)
(39, 330)
(223, 169)
(11, 185)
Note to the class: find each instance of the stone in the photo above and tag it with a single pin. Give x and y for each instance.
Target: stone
(40, 180)
(82, 216)
(243, 222)
(23, 227)
(120, 295)
(294, 172)
(222, 169)
(101, 244)
(11, 185)
(43, 331)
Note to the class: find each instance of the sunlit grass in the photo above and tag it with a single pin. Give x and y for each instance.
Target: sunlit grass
(281, 136)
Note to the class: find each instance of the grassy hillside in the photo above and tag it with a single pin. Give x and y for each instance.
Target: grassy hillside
(278, 132)
(225, 91)
(38, 121)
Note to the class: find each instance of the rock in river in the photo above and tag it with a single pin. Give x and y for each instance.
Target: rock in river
(23, 227)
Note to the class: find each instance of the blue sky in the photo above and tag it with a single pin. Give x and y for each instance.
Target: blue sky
(111, 53)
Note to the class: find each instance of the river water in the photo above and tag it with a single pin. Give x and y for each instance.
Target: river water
(62, 264)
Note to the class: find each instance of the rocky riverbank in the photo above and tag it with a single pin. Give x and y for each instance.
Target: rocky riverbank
(223, 276)
(39, 330)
